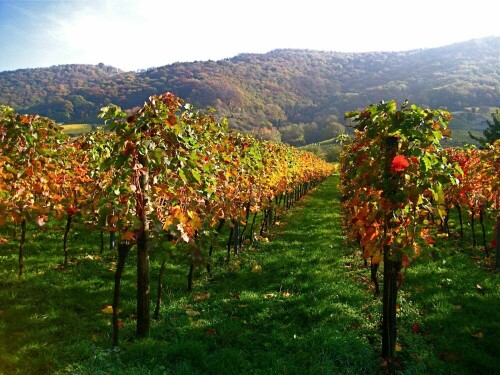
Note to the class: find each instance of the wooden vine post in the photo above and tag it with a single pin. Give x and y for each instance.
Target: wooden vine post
(392, 267)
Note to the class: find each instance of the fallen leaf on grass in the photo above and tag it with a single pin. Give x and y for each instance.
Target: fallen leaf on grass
(236, 266)
(201, 296)
(415, 327)
(256, 268)
(269, 295)
(398, 347)
(449, 357)
(236, 295)
(287, 294)
(478, 335)
(191, 312)
(457, 307)
(108, 309)
(198, 323)
(210, 331)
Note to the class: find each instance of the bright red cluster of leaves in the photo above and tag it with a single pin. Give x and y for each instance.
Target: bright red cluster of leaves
(399, 163)
(389, 179)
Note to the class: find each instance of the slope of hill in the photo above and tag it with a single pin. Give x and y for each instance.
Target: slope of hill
(299, 96)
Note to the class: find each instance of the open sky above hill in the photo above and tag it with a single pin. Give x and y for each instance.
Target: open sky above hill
(137, 34)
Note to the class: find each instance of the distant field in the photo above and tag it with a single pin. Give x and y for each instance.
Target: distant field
(76, 129)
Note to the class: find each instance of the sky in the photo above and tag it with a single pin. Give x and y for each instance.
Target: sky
(140, 34)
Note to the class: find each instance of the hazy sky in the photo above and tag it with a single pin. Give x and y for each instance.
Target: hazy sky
(138, 34)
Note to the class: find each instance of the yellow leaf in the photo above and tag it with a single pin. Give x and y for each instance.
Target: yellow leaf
(168, 222)
(108, 309)
(478, 335)
(398, 347)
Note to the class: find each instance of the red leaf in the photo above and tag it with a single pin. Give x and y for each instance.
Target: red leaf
(399, 163)
(406, 261)
(415, 328)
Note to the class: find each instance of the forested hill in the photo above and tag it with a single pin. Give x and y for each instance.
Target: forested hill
(298, 95)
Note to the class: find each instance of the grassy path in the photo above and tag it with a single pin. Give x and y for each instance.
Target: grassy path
(284, 307)
(298, 304)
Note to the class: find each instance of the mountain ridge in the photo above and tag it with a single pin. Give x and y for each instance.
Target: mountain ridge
(297, 95)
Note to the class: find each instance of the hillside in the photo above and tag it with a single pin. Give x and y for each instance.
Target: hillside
(299, 96)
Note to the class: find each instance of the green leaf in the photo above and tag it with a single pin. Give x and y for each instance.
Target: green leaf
(158, 155)
(427, 163)
(196, 175)
(182, 175)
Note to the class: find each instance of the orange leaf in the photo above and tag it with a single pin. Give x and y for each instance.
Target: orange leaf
(108, 309)
(429, 240)
(201, 297)
(377, 258)
(128, 236)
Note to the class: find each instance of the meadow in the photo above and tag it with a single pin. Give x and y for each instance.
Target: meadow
(298, 301)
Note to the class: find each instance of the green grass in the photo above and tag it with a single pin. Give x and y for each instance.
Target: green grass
(306, 309)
